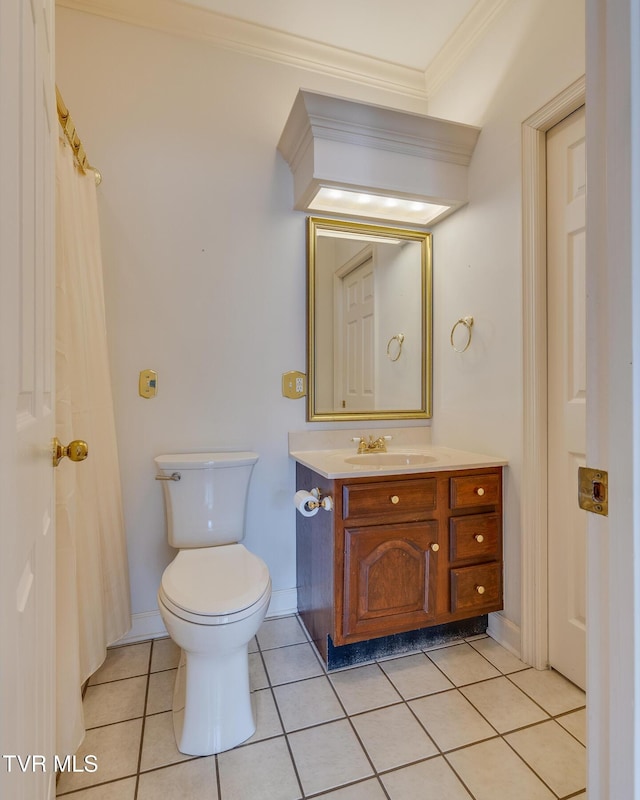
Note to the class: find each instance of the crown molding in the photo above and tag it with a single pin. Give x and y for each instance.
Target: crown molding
(182, 19)
(457, 48)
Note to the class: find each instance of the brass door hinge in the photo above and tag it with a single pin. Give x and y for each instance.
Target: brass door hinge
(593, 490)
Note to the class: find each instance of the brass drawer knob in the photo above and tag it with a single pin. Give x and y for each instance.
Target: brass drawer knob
(479, 538)
(480, 589)
(395, 499)
(480, 491)
(435, 547)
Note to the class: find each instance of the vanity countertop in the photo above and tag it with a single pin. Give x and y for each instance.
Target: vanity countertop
(345, 463)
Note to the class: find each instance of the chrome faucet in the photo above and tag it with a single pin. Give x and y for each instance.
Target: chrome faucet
(378, 445)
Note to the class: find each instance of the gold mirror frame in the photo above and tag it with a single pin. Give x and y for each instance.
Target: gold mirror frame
(317, 226)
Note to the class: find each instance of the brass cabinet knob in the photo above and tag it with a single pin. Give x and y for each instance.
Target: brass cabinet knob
(435, 547)
(479, 538)
(480, 589)
(395, 499)
(77, 450)
(480, 491)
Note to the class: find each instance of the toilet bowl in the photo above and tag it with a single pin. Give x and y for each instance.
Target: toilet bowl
(212, 598)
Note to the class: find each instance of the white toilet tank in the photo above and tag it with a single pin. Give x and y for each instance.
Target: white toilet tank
(206, 505)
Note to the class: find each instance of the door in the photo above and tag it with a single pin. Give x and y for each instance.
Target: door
(566, 304)
(390, 578)
(27, 562)
(355, 360)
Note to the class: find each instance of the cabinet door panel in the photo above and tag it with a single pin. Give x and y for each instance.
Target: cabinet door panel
(390, 575)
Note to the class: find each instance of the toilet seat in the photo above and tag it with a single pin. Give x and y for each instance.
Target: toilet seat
(215, 585)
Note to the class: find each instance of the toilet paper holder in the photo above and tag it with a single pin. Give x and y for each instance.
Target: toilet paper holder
(310, 502)
(325, 502)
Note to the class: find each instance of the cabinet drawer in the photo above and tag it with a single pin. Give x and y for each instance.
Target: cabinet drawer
(470, 491)
(477, 588)
(474, 537)
(390, 497)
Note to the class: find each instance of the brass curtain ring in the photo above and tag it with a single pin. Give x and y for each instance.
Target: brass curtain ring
(468, 323)
(399, 338)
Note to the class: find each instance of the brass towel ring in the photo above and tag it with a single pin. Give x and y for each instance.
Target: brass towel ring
(468, 324)
(399, 338)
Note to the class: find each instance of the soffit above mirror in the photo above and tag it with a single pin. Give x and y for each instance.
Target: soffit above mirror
(357, 159)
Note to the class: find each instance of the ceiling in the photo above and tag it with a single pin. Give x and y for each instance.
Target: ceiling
(408, 47)
(405, 32)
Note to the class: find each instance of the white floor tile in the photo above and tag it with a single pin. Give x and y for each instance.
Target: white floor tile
(503, 705)
(192, 780)
(554, 755)
(576, 724)
(429, 779)
(393, 737)
(257, 676)
(462, 664)
(160, 696)
(165, 655)
(123, 662)
(266, 716)
(550, 690)
(451, 720)
(120, 790)
(415, 676)
(118, 701)
(159, 744)
(291, 664)
(501, 658)
(364, 688)
(279, 632)
(328, 756)
(116, 748)
(257, 772)
(492, 771)
(365, 790)
(308, 702)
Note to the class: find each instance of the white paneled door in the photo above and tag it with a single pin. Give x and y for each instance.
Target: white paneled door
(566, 304)
(27, 555)
(355, 360)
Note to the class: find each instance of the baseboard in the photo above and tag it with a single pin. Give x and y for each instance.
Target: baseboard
(283, 602)
(149, 624)
(505, 632)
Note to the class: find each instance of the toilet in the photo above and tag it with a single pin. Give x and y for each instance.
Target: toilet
(212, 598)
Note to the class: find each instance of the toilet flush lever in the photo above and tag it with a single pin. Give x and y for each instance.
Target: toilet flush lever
(175, 476)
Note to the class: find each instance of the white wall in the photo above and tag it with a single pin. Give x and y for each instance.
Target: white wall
(205, 260)
(535, 50)
(204, 263)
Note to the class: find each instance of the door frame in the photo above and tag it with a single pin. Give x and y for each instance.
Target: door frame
(534, 622)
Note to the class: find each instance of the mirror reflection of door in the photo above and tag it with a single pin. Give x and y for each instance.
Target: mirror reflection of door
(354, 379)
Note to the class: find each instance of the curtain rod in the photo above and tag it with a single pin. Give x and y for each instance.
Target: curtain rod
(69, 130)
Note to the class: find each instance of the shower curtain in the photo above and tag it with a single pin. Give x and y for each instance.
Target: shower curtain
(92, 578)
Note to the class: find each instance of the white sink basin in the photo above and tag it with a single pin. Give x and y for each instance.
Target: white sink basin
(390, 459)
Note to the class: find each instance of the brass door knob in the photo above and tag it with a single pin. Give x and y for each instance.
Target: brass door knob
(480, 491)
(395, 499)
(435, 547)
(479, 538)
(77, 450)
(480, 589)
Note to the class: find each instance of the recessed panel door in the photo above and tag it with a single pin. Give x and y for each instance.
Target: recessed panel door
(566, 304)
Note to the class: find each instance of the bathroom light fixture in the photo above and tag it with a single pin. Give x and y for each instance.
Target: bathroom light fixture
(356, 159)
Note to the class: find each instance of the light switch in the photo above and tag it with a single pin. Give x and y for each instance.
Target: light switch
(148, 383)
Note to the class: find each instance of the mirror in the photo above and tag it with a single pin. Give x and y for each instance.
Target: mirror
(369, 309)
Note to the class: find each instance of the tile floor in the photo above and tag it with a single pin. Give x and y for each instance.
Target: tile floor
(468, 720)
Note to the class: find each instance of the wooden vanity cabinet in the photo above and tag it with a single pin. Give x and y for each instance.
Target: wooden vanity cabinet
(399, 553)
